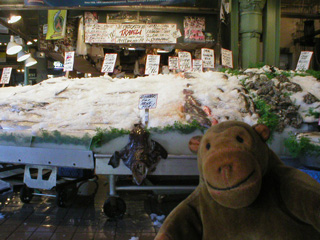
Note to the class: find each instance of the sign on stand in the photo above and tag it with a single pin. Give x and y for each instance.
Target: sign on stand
(68, 61)
(6, 74)
(197, 65)
(185, 61)
(152, 64)
(207, 56)
(304, 61)
(226, 58)
(109, 62)
(173, 63)
(146, 102)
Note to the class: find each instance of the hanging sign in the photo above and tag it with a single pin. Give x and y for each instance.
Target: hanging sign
(130, 33)
(68, 61)
(161, 33)
(304, 61)
(57, 20)
(226, 58)
(207, 56)
(185, 61)
(109, 62)
(6, 74)
(193, 29)
(148, 101)
(152, 64)
(197, 65)
(173, 63)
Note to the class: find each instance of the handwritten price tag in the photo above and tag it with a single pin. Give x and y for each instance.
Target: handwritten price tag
(148, 101)
(173, 63)
(152, 64)
(6, 74)
(304, 60)
(68, 61)
(226, 58)
(207, 56)
(109, 62)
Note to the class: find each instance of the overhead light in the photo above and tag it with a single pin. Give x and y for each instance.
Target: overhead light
(131, 48)
(29, 43)
(12, 47)
(162, 51)
(14, 19)
(22, 55)
(35, 40)
(30, 62)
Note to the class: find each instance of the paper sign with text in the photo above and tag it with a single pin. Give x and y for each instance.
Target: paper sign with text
(207, 56)
(6, 74)
(197, 65)
(185, 61)
(109, 62)
(68, 61)
(304, 60)
(148, 101)
(226, 58)
(152, 64)
(173, 63)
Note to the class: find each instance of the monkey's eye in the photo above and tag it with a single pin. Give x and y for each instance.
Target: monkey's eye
(239, 139)
(208, 146)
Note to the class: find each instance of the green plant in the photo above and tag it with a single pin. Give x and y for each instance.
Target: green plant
(231, 71)
(256, 65)
(311, 112)
(301, 147)
(314, 73)
(180, 127)
(104, 135)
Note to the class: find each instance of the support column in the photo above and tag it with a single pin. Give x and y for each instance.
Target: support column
(235, 32)
(250, 30)
(271, 33)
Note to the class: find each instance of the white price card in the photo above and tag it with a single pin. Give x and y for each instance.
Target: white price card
(197, 65)
(109, 62)
(148, 101)
(304, 60)
(68, 61)
(226, 58)
(173, 63)
(152, 64)
(207, 56)
(185, 61)
(6, 74)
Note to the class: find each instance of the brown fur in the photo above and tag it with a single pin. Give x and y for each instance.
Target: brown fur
(245, 192)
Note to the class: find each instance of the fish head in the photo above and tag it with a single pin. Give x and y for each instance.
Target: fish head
(139, 171)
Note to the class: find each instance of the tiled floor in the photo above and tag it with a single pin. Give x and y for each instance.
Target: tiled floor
(84, 219)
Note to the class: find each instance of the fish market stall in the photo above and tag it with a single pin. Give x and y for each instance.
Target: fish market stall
(105, 110)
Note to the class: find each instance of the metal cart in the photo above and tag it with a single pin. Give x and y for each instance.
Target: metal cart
(174, 165)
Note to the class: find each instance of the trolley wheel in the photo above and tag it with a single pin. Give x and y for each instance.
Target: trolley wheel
(26, 194)
(114, 207)
(65, 196)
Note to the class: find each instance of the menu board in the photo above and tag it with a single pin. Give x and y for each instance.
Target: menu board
(152, 64)
(304, 60)
(173, 63)
(68, 61)
(100, 33)
(226, 58)
(207, 56)
(109, 62)
(185, 61)
(6, 74)
(130, 33)
(161, 33)
(197, 65)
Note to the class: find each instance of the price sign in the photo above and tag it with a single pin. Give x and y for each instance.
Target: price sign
(226, 58)
(207, 56)
(148, 101)
(197, 65)
(304, 60)
(6, 74)
(109, 62)
(152, 64)
(185, 61)
(173, 63)
(68, 61)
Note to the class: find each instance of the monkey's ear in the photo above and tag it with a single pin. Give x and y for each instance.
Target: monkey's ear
(194, 143)
(262, 130)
